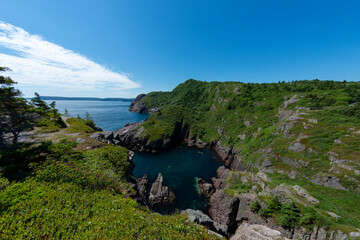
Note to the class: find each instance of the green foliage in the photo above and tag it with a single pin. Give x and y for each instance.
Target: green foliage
(74, 195)
(235, 185)
(43, 210)
(14, 116)
(273, 207)
(79, 125)
(112, 160)
(289, 215)
(311, 218)
(255, 206)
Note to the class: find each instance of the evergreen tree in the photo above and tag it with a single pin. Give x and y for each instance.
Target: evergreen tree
(13, 109)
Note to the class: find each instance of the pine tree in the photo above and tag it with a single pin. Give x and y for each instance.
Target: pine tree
(13, 109)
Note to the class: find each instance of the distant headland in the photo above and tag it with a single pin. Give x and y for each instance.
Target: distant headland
(86, 98)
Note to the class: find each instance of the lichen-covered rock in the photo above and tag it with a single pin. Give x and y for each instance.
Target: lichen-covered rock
(256, 232)
(223, 208)
(297, 147)
(328, 181)
(199, 217)
(302, 192)
(161, 197)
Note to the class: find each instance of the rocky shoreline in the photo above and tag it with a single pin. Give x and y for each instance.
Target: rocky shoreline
(229, 216)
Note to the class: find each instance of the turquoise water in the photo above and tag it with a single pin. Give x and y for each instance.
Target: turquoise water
(180, 166)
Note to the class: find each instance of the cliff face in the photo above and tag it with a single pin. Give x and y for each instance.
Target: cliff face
(139, 107)
(297, 142)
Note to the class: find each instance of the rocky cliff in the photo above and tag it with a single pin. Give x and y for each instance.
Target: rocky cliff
(299, 146)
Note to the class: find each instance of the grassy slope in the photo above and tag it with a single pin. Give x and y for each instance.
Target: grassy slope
(74, 194)
(225, 111)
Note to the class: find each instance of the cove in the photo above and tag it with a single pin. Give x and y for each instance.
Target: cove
(180, 167)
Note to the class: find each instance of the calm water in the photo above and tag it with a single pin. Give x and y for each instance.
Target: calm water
(180, 166)
(108, 115)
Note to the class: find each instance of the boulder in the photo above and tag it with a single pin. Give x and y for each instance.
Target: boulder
(199, 217)
(296, 147)
(256, 232)
(223, 209)
(206, 189)
(161, 197)
(328, 181)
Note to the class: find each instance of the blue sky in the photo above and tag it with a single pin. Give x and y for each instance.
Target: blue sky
(122, 48)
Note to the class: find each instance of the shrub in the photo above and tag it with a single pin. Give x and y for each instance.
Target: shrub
(255, 206)
(78, 125)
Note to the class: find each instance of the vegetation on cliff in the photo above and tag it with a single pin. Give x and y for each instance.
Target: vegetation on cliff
(303, 133)
(64, 189)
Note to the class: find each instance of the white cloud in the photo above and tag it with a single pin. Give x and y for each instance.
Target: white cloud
(39, 63)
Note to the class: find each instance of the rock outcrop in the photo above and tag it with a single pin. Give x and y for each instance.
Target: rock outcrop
(142, 185)
(256, 232)
(199, 217)
(223, 210)
(206, 189)
(133, 136)
(161, 197)
(139, 107)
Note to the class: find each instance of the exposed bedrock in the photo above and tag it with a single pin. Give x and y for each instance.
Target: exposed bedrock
(132, 137)
(143, 189)
(139, 107)
(206, 189)
(223, 210)
(161, 197)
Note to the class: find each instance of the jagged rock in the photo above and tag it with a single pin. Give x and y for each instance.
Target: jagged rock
(205, 188)
(340, 235)
(302, 192)
(222, 172)
(137, 105)
(199, 217)
(161, 197)
(133, 137)
(244, 212)
(256, 232)
(301, 233)
(282, 193)
(236, 164)
(223, 209)
(265, 164)
(355, 234)
(296, 147)
(322, 234)
(218, 183)
(328, 181)
(103, 136)
(80, 140)
(292, 100)
(314, 233)
(142, 185)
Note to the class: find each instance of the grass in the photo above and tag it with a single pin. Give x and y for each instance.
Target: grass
(39, 210)
(78, 125)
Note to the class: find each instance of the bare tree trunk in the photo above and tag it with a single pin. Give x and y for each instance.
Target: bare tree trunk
(16, 137)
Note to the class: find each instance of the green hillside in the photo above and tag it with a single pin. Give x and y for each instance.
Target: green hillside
(308, 130)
